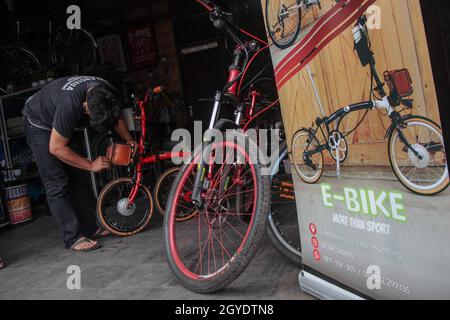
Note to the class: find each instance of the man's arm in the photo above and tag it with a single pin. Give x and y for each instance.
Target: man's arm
(60, 149)
(124, 133)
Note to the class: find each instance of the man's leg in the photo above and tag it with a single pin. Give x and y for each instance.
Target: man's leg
(56, 183)
(82, 193)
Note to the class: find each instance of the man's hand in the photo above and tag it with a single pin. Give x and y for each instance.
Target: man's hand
(100, 164)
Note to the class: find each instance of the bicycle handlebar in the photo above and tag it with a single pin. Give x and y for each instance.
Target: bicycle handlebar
(206, 4)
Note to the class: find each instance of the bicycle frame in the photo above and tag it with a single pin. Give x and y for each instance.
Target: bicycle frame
(300, 4)
(140, 159)
(339, 115)
(231, 92)
(238, 70)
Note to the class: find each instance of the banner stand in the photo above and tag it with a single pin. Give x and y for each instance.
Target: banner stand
(322, 289)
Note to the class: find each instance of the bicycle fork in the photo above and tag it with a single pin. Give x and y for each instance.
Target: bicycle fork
(199, 182)
(407, 144)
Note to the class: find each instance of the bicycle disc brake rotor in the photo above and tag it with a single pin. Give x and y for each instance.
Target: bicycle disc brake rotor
(124, 208)
(338, 143)
(419, 163)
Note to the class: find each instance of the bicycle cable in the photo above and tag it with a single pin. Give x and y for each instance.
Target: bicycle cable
(367, 111)
(250, 82)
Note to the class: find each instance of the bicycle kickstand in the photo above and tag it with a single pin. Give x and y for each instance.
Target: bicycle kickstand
(338, 163)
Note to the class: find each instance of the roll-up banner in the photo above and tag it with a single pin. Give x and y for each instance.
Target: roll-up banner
(361, 108)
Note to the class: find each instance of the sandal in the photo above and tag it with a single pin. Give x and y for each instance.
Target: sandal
(100, 233)
(83, 241)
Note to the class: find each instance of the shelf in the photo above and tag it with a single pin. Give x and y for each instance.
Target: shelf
(20, 92)
(26, 177)
(15, 137)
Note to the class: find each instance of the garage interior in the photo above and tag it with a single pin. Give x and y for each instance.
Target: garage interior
(190, 58)
(168, 60)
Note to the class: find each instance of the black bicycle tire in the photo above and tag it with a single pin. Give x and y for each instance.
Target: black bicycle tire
(55, 59)
(27, 52)
(295, 166)
(294, 38)
(103, 221)
(274, 234)
(158, 185)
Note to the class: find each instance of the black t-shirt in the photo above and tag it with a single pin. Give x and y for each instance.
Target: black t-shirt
(59, 104)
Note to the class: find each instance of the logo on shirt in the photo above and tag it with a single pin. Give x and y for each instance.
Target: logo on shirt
(72, 83)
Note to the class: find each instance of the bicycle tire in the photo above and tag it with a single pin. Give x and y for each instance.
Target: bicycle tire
(270, 31)
(238, 263)
(57, 54)
(287, 247)
(444, 181)
(103, 216)
(17, 63)
(161, 198)
(304, 178)
(27, 52)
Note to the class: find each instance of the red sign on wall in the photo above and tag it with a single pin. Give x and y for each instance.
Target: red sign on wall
(142, 47)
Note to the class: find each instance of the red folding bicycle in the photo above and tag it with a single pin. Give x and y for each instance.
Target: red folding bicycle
(125, 205)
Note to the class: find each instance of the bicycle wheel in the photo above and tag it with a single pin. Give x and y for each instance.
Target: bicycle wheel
(18, 63)
(283, 20)
(310, 168)
(74, 47)
(282, 227)
(114, 213)
(426, 176)
(209, 251)
(162, 190)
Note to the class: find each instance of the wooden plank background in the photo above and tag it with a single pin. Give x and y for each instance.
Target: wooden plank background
(341, 79)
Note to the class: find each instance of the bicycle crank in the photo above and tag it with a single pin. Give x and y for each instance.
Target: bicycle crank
(338, 146)
(338, 149)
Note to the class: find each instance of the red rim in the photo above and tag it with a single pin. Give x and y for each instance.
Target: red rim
(204, 217)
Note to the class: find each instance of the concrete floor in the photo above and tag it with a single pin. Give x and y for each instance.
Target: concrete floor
(124, 268)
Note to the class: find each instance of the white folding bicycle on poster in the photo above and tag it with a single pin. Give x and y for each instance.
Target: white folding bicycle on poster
(416, 145)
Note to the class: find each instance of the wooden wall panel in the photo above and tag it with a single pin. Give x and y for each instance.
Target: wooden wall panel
(341, 80)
